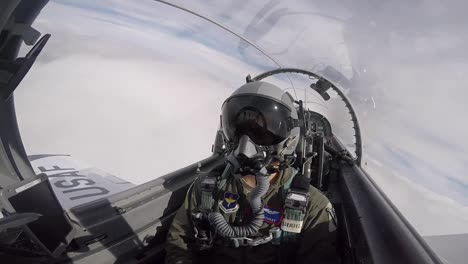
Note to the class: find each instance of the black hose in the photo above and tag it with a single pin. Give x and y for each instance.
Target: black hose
(217, 220)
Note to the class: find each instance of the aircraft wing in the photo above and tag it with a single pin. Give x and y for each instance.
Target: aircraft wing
(75, 182)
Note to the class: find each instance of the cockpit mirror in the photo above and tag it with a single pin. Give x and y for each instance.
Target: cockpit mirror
(321, 87)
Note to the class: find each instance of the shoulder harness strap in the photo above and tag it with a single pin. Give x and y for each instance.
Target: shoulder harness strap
(295, 208)
(287, 184)
(207, 189)
(209, 186)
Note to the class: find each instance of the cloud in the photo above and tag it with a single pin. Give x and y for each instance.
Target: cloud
(430, 213)
(135, 104)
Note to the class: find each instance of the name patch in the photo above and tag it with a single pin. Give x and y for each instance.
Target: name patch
(292, 226)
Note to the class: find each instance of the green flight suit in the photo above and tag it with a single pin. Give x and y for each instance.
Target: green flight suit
(315, 244)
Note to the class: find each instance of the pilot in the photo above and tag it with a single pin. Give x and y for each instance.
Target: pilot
(256, 207)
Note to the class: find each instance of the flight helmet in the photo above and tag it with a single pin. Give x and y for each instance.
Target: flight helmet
(260, 118)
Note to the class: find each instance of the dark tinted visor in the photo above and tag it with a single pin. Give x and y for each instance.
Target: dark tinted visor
(264, 120)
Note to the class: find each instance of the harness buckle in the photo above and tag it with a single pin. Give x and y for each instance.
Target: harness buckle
(204, 239)
(208, 184)
(296, 200)
(295, 209)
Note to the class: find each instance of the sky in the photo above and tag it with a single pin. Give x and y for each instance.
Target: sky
(135, 87)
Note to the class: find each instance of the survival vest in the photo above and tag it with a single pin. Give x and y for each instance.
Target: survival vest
(296, 198)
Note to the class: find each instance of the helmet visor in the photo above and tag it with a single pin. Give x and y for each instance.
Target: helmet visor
(265, 121)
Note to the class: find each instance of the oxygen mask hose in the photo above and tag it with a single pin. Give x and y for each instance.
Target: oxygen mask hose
(217, 220)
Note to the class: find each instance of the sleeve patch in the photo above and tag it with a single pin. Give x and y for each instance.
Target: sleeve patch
(273, 216)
